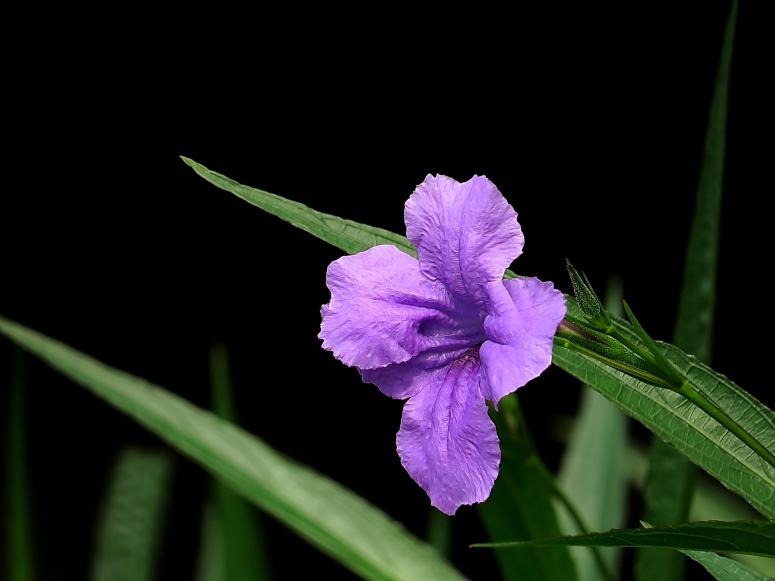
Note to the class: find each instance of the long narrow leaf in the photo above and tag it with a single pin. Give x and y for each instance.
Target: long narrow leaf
(668, 415)
(694, 327)
(439, 534)
(671, 478)
(594, 469)
(520, 505)
(18, 529)
(129, 531)
(349, 236)
(713, 502)
(345, 234)
(244, 551)
(334, 519)
(210, 565)
(668, 494)
(748, 537)
(724, 568)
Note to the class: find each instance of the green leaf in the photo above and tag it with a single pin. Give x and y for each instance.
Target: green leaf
(350, 237)
(669, 415)
(334, 519)
(724, 568)
(18, 524)
(686, 427)
(749, 537)
(671, 476)
(440, 532)
(668, 494)
(210, 564)
(344, 234)
(713, 502)
(694, 328)
(594, 470)
(129, 531)
(520, 505)
(233, 519)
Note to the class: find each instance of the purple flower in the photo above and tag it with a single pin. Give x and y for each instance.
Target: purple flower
(445, 331)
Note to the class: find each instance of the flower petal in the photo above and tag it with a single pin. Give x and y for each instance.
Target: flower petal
(403, 380)
(380, 306)
(466, 234)
(447, 442)
(524, 316)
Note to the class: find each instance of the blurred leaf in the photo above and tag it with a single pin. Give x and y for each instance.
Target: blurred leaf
(724, 568)
(129, 531)
(751, 537)
(336, 520)
(694, 327)
(210, 564)
(667, 495)
(594, 471)
(18, 524)
(520, 506)
(671, 476)
(440, 532)
(233, 521)
(713, 502)
(666, 414)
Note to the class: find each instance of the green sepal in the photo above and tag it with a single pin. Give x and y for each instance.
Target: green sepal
(659, 360)
(587, 298)
(603, 343)
(610, 351)
(570, 342)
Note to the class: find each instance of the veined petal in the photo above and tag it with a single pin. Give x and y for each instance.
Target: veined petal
(466, 234)
(380, 305)
(524, 316)
(403, 380)
(447, 442)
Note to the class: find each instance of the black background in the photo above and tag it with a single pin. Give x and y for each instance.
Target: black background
(590, 121)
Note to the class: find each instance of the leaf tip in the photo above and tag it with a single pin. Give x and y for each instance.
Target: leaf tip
(188, 161)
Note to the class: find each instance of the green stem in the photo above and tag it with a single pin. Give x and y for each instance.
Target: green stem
(630, 344)
(658, 358)
(653, 358)
(702, 402)
(578, 519)
(621, 366)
